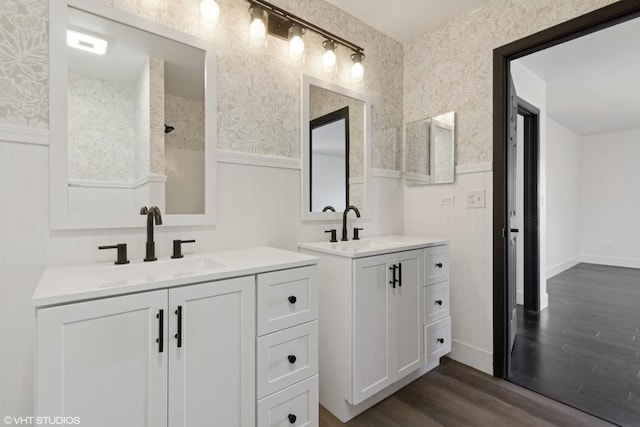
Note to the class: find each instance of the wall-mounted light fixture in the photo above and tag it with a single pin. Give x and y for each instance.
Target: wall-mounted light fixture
(269, 19)
(210, 10)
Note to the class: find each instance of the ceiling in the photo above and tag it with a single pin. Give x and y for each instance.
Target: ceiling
(404, 20)
(593, 82)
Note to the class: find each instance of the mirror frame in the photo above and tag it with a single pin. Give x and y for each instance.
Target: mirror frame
(59, 216)
(307, 82)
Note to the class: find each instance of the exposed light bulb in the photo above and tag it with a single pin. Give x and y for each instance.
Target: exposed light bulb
(210, 10)
(329, 56)
(257, 28)
(296, 44)
(357, 70)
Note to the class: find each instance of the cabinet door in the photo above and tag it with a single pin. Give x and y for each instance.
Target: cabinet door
(212, 373)
(407, 322)
(372, 363)
(99, 361)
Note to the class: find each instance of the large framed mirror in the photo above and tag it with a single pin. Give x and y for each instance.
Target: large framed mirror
(429, 151)
(132, 120)
(335, 135)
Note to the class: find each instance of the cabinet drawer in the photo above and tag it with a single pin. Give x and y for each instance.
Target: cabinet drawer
(286, 298)
(437, 339)
(436, 264)
(298, 403)
(274, 369)
(436, 302)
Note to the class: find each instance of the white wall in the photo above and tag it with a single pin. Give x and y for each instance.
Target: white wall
(563, 198)
(609, 202)
(470, 235)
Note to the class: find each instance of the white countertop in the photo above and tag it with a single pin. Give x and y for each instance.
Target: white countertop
(71, 284)
(372, 245)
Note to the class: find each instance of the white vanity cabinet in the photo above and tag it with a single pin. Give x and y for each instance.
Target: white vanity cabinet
(387, 321)
(437, 321)
(118, 361)
(182, 350)
(372, 318)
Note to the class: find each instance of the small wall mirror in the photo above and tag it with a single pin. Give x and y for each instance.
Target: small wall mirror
(132, 120)
(429, 154)
(334, 149)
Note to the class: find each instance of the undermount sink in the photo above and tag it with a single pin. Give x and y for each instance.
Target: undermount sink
(370, 245)
(355, 245)
(149, 271)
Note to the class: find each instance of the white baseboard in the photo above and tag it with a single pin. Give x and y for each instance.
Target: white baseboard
(613, 261)
(563, 266)
(520, 297)
(544, 301)
(475, 357)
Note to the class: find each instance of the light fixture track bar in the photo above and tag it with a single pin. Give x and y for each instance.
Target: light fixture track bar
(270, 8)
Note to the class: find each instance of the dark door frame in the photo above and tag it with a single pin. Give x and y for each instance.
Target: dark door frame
(531, 232)
(607, 16)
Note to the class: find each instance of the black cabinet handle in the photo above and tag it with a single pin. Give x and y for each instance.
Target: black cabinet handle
(400, 274)
(179, 334)
(439, 301)
(292, 299)
(393, 281)
(439, 265)
(292, 359)
(292, 418)
(440, 340)
(160, 339)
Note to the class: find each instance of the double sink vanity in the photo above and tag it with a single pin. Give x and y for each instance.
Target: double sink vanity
(245, 337)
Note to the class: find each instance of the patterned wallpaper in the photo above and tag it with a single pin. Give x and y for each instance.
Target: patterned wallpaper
(24, 71)
(156, 116)
(101, 129)
(187, 117)
(323, 102)
(450, 68)
(416, 136)
(258, 90)
(142, 130)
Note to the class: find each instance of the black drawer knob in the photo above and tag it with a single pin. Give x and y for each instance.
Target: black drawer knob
(292, 418)
(440, 340)
(292, 359)
(439, 301)
(439, 265)
(293, 299)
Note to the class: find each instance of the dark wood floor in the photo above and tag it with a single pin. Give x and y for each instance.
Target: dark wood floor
(585, 348)
(457, 395)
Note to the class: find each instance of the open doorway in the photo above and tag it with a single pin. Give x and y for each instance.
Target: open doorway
(565, 349)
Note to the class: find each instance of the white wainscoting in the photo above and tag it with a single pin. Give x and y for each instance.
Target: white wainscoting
(470, 234)
(258, 204)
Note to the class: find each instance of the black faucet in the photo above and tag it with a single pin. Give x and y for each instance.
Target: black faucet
(152, 213)
(344, 220)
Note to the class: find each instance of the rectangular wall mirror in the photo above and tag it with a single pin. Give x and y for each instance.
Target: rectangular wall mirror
(429, 151)
(133, 120)
(335, 127)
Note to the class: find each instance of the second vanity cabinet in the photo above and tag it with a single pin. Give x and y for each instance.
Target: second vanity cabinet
(187, 355)
(376, 327)
(387, 322)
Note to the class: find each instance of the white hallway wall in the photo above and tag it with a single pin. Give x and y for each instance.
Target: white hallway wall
(609, 202)
(563, 198)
